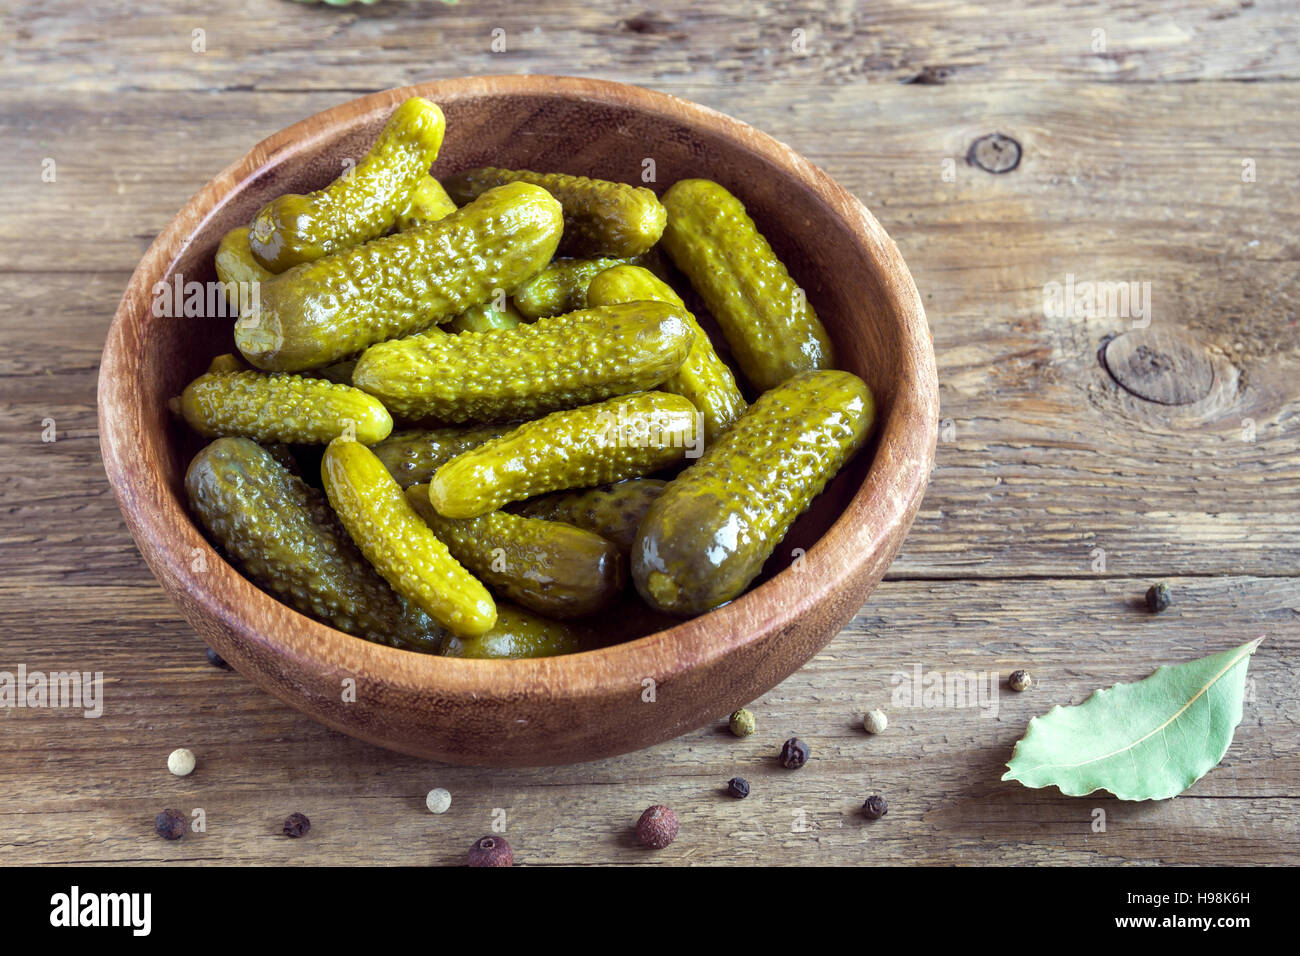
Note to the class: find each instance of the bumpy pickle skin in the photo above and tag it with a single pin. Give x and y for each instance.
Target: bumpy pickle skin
(235, 262)
(333, 308)
(280, 533)
(413, 455)
(361, 204)
(704, 378)
(397, 542)
(766, 317)
(229, 362)
(560, 287)
(612, 511)
(524, 372)
(486, 317)
(282, 408)
(549, 567)
(705, 538)
(429, 202)
(601, 218)
(518, 635)
(626, 437)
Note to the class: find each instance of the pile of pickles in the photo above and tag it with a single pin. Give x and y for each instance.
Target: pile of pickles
(570, 446)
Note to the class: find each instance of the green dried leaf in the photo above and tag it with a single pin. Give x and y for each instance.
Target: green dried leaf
(1145, 741)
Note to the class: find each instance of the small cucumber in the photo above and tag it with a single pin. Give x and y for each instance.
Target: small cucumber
(560, 287)
(399, 544)
(612, 511)
(333, 308)
(766, 318)
(549, 567)
(601, 218)
(412, 456)
(516, 636)
(624, 437)
(486, 318)
(282, 408)
(429, 202)
(360, 205)
(705, 538)
(554, 363)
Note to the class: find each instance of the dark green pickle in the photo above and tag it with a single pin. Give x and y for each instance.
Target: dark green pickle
(612, 511)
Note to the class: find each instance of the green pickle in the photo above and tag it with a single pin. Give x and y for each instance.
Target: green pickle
(612, 511)
(766, 317)
(560, 287)
(706, 537)
(229, 362)
(601, 218)
(281, 408)
(399, 544)
(429, 202)
(549, 567)
(516, 636)
(704, 378)
(328, 310)
(486, 318)
(412, 456)
(362, 204)
(529, 370)
(279, 532)
(625, 437)
(235, 262)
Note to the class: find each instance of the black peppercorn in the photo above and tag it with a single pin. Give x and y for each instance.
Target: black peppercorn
(296, 825)
(875, 807)
(491, 851)
(216, 660)
(794, 754)
(657, 827)
(738, 787)
(1157, 597)
(170, 824)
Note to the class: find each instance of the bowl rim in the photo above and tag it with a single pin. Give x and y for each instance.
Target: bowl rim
(167, 536)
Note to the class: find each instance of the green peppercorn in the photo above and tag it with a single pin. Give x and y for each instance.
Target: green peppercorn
(1158, 597)
(742, 723)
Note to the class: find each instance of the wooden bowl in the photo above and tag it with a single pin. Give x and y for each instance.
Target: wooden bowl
(603, 702)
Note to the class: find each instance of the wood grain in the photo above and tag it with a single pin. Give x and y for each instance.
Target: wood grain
(1132, 170)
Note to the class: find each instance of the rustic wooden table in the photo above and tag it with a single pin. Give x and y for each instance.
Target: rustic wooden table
(1158, 147)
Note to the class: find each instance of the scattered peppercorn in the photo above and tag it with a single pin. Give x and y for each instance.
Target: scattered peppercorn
(296, 825)
(438, 800)
(657, 827)
(794, 754)
(181, 762)
(738, 787)
(742, 723)
(1158, 597)
(875, 807)
(170, 824)
(491, 851)
(875, 722)
(1020, 680)
(216, 660)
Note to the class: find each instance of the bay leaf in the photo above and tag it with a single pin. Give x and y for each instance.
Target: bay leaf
(1145, 741)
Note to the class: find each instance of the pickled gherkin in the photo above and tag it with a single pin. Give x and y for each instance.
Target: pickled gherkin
(560, 287)
(235, 262)
(281, 534)
(399, 544)
(412, 456)
(529, 370)
(281, 408)
(549, 567)
(612, 511)
(516, 636)
(705, 538)
(428, 203)
(486, 318)
(361, 204)
(330, 309)
(764, 315)
(601, 218)
(704, 378)
(625, 437)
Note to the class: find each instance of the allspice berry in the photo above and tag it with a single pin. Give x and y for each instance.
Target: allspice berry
(875, 807)
(794, 753)
(657, 827)
(1158, 597)
(875, 722)
(490, 851)
(170, 824)
(1020, 680)
(742, 723)
(296, 825)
